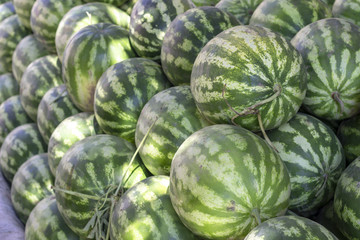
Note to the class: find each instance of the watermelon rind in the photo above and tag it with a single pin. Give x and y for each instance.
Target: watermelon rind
(349, 136)
(347, 9)
(8, 86)
(241, 9)
(6, 10)
(23, 9)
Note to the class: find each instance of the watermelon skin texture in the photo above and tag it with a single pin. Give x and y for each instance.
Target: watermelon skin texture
(347, 201)
(118, 3)
(314, 158)
(23, 10)
(349, 136)
(237, 67)
(122, 92)
(32, 182)
(136, 216)
(90, 167)
(20, 144)
(221, 176)
(333, 66)
(77, 18)
(11, 33)
(46, 222)
(349, 10)
(186, 36)
(6, 10)
(290, 228)
(8, 86)
(241, 9)
(147, 33)
(287, 17)
(177, 117)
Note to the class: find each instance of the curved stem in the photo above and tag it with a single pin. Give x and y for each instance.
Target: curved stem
(267, 139)
(323, 185)
(255, 212)
(336, 96)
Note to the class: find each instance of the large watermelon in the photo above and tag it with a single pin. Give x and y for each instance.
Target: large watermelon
(247, 70)
(241, 9)
(331, 53)
(187, 35)
(8, 86)
(6, 10)
(23, 9)
(349, 136)
(347, 9)
(225, 180)
(122, 92)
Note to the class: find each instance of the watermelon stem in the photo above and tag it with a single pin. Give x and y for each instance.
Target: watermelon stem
(323, 185)
(255, 212)
(89, 16)
(77, 194)
(267, 139)
(336, 96)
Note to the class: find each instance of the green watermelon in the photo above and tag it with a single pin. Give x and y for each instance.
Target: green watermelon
(45, 222)
(40, 76)
(176, 117)
(8, 86)
(28, 50)
(241, 9)
(23, 9)
(32, 182)
(290, 228)
(201, 3)
(149, 21)
(315, 159)
(145, 212)
(93, 166)
(20, 144)
(84, 15)
(112, 2)
(349, 136)
(122, 92)
(11, 33)
(347, 201)
(347, 9)
(88, 54)
(128, 6)
(245, 71)
(6, 10)
(225, 180)
(45, 18)
(186, 36)
(12, 115)
(54, 107)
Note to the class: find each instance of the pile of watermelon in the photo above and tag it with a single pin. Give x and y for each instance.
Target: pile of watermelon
(180, 119)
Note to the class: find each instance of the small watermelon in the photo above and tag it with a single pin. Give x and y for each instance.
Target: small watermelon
(23, 10)
(349, 136)
(347, 9)
(6, 10)
(8, 86)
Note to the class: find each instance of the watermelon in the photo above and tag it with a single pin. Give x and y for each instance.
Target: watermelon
(6, 10)
(8, 86)
(112, 2)
(23, 9)
(186, 36)
(347, 9)
(84, 15)
(28, 50)
(45, 222)
(224, 180)
(149, 21)
(40, 76)
(333, 67)
(329, 2)
(347, 201)
(128, 6)
(247, 71)
(54, 107)
(12, 115)
(287, 17)
(20, 144)
(32, 182)
(241, 9)
(93, 166)
(67, 133)
(315, 159)
(138, 216)
(88, 54)
(176, 117)
(200, 3)
(122, 92)
(45, 18)
(349, 136)
(290, 228)
(11, 33)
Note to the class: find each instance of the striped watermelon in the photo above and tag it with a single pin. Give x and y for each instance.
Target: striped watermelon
(45, 18)
(149, 21)
(138, 216)
(28, 50)
(315, 159)
(54, 107)
(290, 228)
(45, 222)
(6, 10)
(8, 86)
(41, 75)
(225, 180)
(20, 144)
(32, 182)
(128, 6)
(287, 17)
(12, 115)
(347, 201)
(93, 166)
(67, 133)
(11, 33)
(87, 55)
(347, 9)
(349, 136)
(186, 36)
(112, 2)
(23, 9)
(247, 70)
(333, 66)
(84, 15)
(122, 92)
(241, 9)
(176, 117)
